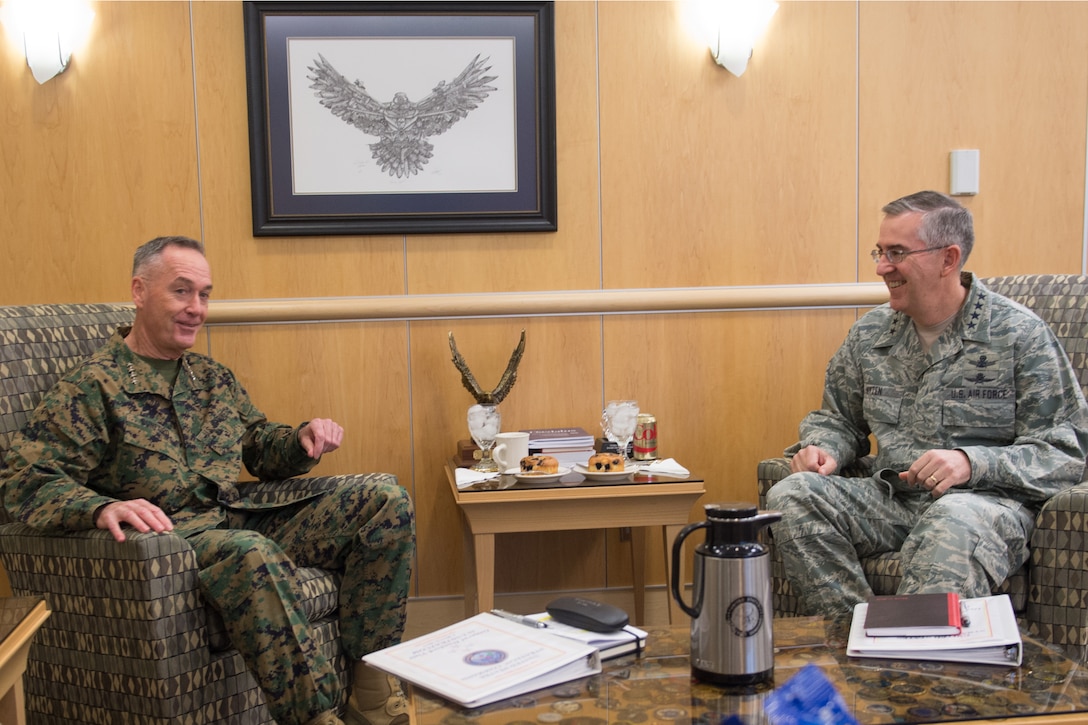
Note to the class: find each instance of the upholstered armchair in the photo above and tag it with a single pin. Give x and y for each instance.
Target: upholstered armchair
(1050, 593)
(130, 639)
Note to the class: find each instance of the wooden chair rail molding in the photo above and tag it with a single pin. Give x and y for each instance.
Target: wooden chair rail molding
(542, 304)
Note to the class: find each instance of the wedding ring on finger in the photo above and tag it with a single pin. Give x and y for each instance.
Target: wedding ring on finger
(933, 480)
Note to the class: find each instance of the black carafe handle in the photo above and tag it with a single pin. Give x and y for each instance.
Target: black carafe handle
(677, 548)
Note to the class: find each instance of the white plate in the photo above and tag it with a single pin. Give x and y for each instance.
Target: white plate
(628, 471)
(538, 477)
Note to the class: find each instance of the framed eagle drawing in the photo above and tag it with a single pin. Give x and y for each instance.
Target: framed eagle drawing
(401, 117)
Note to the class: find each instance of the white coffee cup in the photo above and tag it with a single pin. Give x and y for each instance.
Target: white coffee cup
(510, 448)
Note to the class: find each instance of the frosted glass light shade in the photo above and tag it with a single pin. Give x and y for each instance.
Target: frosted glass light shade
(48, 30)
(739, 24)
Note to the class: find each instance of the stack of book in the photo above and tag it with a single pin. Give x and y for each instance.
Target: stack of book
(941, 627)
(569, 446)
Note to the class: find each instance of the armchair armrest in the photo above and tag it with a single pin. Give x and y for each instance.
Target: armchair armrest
(1057, 608)
(130, 608)
(770, 472)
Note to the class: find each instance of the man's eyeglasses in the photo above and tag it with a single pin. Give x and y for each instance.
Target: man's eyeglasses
(895, 256)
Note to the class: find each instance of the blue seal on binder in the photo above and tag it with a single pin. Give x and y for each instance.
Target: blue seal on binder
(485, 657)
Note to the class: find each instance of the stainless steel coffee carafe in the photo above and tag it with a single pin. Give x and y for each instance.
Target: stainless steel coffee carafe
(731, 642)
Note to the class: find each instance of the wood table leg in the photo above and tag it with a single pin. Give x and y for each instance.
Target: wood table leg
(413, 704)
(638, 572)
(669, 533)
(469, 564)
(485, 572)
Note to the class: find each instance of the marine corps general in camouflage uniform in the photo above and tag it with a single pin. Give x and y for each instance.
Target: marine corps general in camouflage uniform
(158, 443)
(977, 416)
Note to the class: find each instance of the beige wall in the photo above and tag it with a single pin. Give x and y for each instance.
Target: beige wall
(672, 174)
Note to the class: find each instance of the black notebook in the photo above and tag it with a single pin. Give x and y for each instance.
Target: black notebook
(914, 615)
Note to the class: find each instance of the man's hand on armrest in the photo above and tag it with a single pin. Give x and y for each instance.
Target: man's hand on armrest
(139, 513)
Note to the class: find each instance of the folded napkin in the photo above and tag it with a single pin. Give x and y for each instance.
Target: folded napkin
(666, 467)
(467, 477)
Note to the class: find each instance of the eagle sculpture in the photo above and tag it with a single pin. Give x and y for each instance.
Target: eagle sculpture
(402, 127)
(506, 382)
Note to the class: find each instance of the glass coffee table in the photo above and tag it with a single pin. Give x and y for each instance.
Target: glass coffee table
(657, 688)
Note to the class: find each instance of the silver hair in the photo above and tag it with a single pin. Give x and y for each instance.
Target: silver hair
(944, 220)
(149, 252)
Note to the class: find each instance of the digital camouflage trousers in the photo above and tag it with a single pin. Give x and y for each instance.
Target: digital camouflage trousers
(963, 542)
(364, 529)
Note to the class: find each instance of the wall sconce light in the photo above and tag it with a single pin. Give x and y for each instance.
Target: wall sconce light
(739, 23)
(48, 31)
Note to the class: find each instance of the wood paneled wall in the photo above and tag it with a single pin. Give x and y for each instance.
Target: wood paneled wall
(672, 173)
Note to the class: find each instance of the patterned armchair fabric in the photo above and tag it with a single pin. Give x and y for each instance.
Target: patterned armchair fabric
(130, 639)
(1050, 593)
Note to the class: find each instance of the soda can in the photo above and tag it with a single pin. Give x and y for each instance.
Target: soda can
(645, 442)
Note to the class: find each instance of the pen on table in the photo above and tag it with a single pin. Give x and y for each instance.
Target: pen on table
(964, 621)
(520, 619)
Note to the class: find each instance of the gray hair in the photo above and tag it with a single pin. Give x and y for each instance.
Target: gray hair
(149, 252)
(944, 220)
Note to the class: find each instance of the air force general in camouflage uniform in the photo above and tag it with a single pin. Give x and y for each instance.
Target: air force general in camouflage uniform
(977, 416)
(124, 430)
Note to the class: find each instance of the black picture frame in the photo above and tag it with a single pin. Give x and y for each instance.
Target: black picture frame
(488, 70)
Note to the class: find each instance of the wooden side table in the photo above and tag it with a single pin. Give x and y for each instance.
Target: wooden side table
(20, 618)
(647, 501)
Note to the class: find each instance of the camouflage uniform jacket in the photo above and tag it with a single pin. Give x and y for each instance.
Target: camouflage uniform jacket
(113, 429)
(996, 385)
